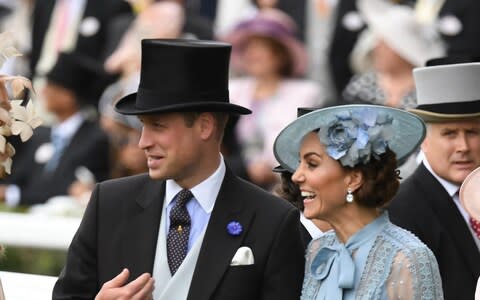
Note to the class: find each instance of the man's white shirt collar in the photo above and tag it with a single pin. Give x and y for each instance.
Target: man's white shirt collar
(69, 127)
(451, 188)
(312, 229)
(205, 192)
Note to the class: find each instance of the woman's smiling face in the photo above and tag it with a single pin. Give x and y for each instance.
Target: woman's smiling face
(322, 180)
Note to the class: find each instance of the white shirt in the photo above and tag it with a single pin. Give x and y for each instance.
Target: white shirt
(201, 206)
(312, 229)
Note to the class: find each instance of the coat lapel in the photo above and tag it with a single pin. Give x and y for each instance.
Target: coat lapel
(141, 228)
(219, 246)
(447, 211)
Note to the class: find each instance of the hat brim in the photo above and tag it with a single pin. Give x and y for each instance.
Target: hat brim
(297, 52)
(409, 132)
(470, 195)
(280, 169)
(433, 117)
(397, 26)
(126, 106)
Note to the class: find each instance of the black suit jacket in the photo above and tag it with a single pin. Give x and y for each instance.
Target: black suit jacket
(95, 45)
(425, 208)
(89, 147)
(120, 229)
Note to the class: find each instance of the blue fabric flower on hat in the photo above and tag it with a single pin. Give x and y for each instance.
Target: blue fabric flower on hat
(234, 228)
(354, 137)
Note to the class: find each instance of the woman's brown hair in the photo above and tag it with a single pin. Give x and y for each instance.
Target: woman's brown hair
(380, 181)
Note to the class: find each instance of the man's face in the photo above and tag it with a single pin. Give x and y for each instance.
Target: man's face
(171, 148)
(453, 149)
(58, 99)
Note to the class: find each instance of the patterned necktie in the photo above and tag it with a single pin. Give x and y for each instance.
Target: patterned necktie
(177, 239)
(475, 224)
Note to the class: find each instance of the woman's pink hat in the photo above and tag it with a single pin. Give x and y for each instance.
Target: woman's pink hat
(470, 194)
(274, 24)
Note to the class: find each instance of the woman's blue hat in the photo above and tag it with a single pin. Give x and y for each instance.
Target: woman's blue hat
(352, 134)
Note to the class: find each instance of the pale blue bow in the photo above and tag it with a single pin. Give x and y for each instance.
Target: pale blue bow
(342, 257)
(334, 266)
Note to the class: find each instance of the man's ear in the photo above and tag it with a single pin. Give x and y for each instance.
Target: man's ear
(206, 125)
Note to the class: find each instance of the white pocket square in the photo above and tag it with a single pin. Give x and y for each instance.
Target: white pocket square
(243, 257)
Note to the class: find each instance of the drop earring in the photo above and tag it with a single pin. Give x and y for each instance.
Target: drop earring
(349, 197)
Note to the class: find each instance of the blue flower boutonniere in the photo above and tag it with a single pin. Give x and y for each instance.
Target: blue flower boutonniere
(234, 228)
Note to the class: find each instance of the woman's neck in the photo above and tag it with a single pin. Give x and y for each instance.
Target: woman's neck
(395, 86)
(352, 221)
(266, 86)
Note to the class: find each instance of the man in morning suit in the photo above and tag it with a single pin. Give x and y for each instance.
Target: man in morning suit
(189, 229)
(47, 163)
(71, 25)
(427, 203)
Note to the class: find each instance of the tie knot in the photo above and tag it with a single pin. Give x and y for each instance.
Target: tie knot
(183, 197)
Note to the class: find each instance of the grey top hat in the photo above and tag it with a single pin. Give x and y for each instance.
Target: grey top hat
(448, 92)
(352, 134)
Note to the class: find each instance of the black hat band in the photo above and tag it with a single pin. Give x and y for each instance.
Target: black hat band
(148, 99)
(452, 108)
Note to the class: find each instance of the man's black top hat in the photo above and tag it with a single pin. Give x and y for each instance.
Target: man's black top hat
(181, 75)
(82, 75)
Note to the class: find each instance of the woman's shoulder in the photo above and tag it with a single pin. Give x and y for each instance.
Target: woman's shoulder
(405, 240)
(239, 82)
(302, 84)
(304, 92)
(241, 90)
(362, 88)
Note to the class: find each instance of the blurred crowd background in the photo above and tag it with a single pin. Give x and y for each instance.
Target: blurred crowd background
(83, 55)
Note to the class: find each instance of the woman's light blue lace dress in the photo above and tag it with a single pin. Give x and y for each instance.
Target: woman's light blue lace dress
(381, 261)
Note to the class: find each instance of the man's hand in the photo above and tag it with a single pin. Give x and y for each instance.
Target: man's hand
(139, 289)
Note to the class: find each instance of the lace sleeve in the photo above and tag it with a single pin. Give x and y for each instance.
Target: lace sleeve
(414, 275)
(312, 250)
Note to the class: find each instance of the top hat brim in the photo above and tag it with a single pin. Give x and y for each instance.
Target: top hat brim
(127, 106)
(434, 117)
(409, 132)
(281, 169)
